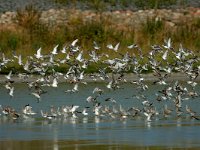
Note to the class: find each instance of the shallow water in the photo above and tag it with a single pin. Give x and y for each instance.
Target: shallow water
(97, 132)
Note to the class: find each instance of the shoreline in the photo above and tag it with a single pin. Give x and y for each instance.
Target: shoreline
(128, 77)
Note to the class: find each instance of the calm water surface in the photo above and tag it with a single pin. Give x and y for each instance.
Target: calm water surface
(93, 131)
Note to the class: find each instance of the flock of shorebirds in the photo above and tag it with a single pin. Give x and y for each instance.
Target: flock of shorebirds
(162, 61)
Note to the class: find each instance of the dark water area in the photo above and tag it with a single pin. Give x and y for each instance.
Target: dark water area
(95, 132)
(75, 145)
(63, 145)
(13, 5)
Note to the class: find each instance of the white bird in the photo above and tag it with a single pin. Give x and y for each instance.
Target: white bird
(74, 42)
(5, 111)
(74, 108)
(123, 112)
(20, 60)
(85, 64)
(37, 95)
(148, 115)
(111, 100)
(55, 83)
(75, 89)
(9, 75)
(110, 61)
(146, 103)
(51, 59)
(164, 56)
(55, 49)
(119, 66)
(192, 83)
(5, 61)
(167, 44)
(96, 46)
(132, 46)
(81, 76)
(68, 56)
(91, 99)
(84, 112)
(97, 90)
(28, 110)
(80, 57)
(97, 109)
(116, 47)
(26, 66)
(94, 56)
(8, 86)
(63, 50)
(110, 46)
(38, 54)
(11, 91)
(46, 115)
(109, 85)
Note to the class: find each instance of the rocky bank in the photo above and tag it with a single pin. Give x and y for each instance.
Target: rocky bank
(54, 17)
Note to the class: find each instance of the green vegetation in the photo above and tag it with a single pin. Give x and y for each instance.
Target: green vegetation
(30, 34)
(152, 26)
(9, 40)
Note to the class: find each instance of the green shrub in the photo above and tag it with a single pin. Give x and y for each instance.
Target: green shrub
(9, 40)
(152, 26)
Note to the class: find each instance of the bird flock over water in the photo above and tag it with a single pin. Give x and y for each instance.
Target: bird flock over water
(112, 65)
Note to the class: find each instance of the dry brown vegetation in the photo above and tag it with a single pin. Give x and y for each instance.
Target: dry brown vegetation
(30, 33)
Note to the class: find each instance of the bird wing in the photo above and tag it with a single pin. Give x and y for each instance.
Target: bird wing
(74, 42)
(55, 50)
